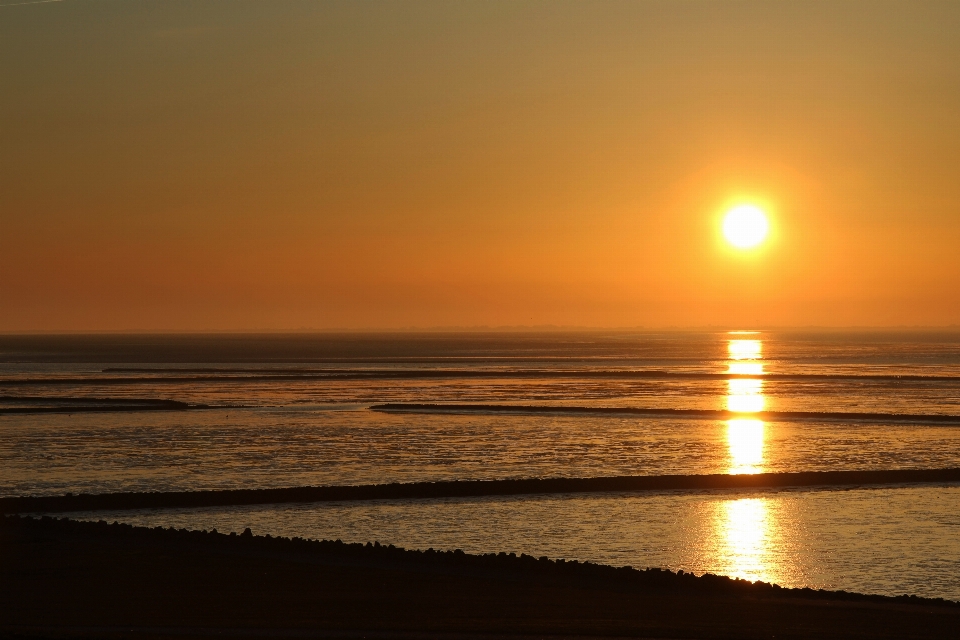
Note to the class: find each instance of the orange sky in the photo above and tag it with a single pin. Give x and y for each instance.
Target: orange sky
(257, 165)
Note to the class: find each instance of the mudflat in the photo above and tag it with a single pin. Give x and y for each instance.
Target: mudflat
(69, 579)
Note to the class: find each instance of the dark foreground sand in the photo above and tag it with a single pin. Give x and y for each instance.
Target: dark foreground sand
(63, 578)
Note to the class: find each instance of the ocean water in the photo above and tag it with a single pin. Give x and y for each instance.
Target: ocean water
(275, 411)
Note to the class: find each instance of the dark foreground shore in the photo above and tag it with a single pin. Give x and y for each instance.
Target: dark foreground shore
(68, 579)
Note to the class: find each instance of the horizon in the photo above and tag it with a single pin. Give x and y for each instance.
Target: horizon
(496, 329)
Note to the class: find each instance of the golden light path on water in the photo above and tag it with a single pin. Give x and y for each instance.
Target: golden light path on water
(743, 527)
(745, 396)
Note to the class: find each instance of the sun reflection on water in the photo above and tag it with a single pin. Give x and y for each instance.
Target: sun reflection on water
(745, 443)
(743, 528)
(745, 395)
(746, 368)
(745, 349)
(745, 436)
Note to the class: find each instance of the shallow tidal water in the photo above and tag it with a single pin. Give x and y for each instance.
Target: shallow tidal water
(95, 453)
(888, 541)
(279, 411)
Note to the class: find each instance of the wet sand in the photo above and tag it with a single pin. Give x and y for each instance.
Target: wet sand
(69, 579)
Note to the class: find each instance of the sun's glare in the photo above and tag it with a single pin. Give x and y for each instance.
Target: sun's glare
(745, 226)
(745, 349)
(745, 442)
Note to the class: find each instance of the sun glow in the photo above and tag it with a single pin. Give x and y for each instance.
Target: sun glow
(745, 226)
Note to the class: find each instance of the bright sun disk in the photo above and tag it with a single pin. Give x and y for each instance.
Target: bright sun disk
(745, 226)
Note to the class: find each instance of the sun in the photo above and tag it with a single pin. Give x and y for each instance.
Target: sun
(745, 226)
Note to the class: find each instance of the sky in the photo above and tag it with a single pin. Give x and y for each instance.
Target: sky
(271, 166)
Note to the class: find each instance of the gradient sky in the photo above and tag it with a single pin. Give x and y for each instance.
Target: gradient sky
(237, 165)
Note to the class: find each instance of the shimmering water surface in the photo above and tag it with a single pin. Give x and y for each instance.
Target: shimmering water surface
(294, 410)
(889, 541)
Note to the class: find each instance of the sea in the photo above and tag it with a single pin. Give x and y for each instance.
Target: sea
(268, 411)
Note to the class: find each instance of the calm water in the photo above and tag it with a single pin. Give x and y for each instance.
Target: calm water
(889, 541)
(294, 410)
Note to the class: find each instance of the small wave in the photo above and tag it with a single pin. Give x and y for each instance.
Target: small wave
(692, 414)
(54, 404)
(208, 375)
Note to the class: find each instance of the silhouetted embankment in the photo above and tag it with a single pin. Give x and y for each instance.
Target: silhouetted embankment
(472, 488)
(688, 414)
(62, 578)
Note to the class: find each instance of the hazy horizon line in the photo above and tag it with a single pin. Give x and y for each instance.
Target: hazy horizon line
(478, 329)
